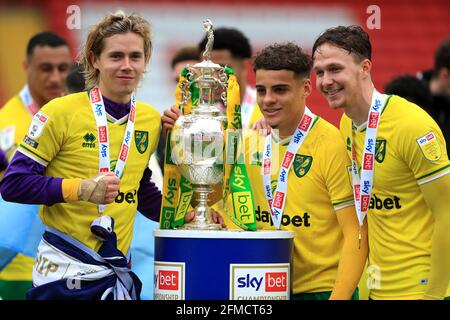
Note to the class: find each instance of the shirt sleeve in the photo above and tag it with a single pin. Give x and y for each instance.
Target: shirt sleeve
(149, 197)
(46, 133)
(24, 183)
(336, 170)
(422, 147)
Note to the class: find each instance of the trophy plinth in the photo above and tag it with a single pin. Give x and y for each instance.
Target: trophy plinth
(197, 139)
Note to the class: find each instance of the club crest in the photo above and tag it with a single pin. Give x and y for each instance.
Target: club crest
(141, 140)
(302, 164)
(380, 150)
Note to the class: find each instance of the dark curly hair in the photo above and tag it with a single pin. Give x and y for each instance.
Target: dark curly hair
(283, 56)
(229, 39)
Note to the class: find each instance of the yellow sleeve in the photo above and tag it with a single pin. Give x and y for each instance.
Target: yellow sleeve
(353, 255)
(436, 194)
(335, 165)
(423, 149)
(70, 189)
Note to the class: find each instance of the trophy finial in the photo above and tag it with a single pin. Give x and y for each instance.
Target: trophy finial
(208, 25)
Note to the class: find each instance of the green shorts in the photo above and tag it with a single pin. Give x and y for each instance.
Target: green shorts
(320, 295)
(14, 290)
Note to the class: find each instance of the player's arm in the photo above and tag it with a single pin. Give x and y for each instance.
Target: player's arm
(353, 255)
(149, 197)
(436, 194)
(24, 182)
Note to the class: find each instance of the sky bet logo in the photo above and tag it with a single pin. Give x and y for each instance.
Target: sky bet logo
(169, 280)
(273, 282)
(250, 281)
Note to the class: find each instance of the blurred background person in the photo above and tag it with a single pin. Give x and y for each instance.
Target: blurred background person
(438, 80)
(47, 65)
(412, 89)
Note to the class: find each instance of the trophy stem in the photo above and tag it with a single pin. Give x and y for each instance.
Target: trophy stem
(202, 219)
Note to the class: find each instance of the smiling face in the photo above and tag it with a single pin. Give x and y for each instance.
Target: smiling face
(47, 68)
(121, 65)
(281, 96)
(339, 76)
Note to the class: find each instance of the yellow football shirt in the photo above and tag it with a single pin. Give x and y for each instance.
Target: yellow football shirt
(318, 186)
(15, 119)
(66, 143)
(410, 151)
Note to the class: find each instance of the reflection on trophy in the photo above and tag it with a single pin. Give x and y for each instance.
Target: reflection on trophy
(197, 139)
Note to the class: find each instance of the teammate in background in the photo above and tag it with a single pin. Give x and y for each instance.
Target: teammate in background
(438, 80)
(405, 171)
(47, 64)
(232, 48)
(410, 88)
(328, 256)
(88, 167)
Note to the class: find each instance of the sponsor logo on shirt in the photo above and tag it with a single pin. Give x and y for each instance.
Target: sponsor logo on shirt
(30, 142)
(286, 220)
(89, 140)
(430, 146)
(388, 203)
(129, 197)
(37, 125)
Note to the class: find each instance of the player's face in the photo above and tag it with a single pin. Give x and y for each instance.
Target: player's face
(281, 98)
(47, 69)
(121, 65)
(339, 77)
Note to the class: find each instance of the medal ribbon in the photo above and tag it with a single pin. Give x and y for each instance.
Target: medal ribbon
(98, 108)
(362, 186)
(277, 201)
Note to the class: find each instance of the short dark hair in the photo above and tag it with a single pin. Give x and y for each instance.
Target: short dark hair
(184, 54)
(442, 55)
(45, 39)
(283, 56)
(351, 38)
(229, 39)
(410, 88)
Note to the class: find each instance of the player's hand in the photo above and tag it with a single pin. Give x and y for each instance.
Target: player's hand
(262, 127)
(168, 119)
(215, 217)
(100, 190)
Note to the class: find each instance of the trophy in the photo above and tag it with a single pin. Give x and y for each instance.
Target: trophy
(197, 139)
